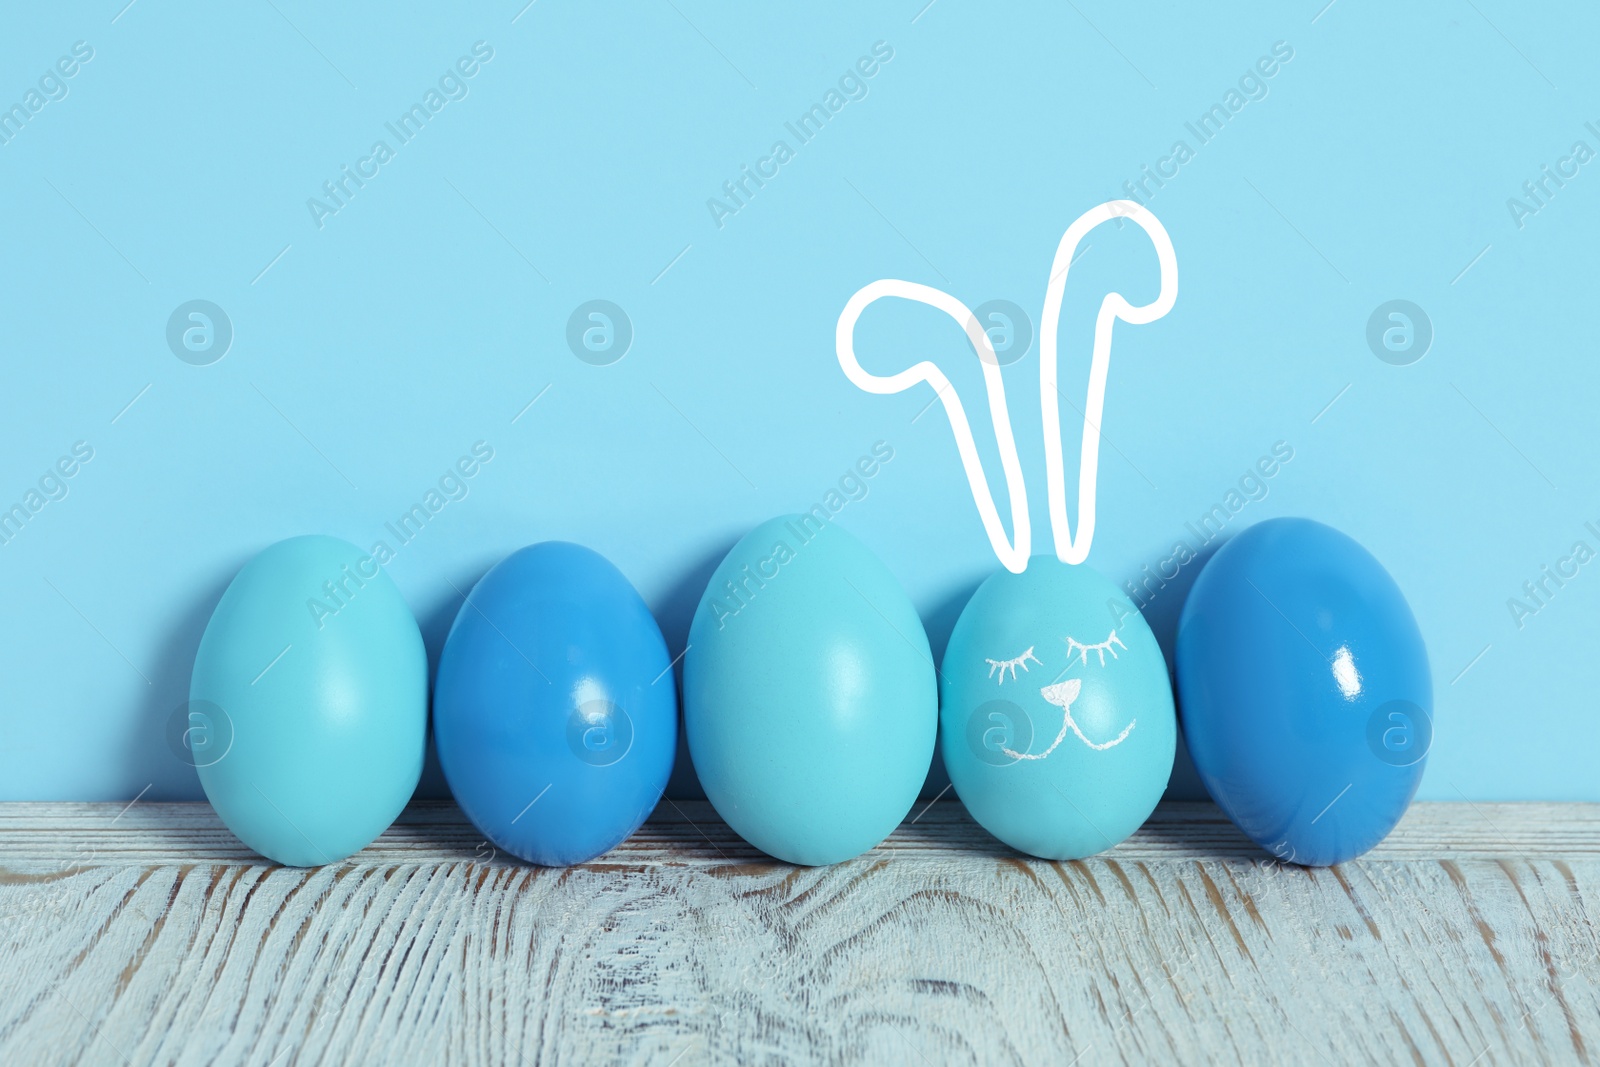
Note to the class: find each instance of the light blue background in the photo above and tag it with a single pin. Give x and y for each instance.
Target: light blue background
(427, 314)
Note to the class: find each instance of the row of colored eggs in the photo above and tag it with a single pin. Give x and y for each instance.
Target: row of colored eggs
(811, 702)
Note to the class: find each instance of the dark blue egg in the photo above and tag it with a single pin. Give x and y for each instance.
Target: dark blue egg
(555, 712)
(1304, 691)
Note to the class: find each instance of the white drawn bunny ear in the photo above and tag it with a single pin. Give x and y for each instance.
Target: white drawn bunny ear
(1113, 307)
(1012, 554)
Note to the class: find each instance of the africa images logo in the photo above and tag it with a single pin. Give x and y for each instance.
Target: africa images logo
(741, 589)
(50, 88)
(995, 726)
(852, 85)
(452, 85)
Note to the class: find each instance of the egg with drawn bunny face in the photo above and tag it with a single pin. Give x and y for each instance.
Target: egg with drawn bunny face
(1056, 716)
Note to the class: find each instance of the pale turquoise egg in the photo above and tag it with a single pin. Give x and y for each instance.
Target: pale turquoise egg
(1056, 717)
(809, 700)
(311, 684)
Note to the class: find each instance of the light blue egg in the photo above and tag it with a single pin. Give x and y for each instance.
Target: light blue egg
(1056, 719)
(810, 706)
(313, 684)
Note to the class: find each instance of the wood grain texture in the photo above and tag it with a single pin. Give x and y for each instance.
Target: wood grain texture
(149, 935)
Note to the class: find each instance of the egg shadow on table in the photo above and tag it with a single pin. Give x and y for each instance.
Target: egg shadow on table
(435, 621)
(1163, 600)
(150, 759)
(938, 624)
(1222, 841)
(954, 828)
(675, 614)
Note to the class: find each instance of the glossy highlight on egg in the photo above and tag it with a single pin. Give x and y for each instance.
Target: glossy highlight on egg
(1306, 696)
(555, 711)
(810, 706)
(1056, 717)
(313, 674)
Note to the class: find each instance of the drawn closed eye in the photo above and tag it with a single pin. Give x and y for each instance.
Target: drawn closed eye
(1003, 665)
(1110, 644)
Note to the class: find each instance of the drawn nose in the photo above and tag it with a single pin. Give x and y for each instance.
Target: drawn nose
(1062, 694)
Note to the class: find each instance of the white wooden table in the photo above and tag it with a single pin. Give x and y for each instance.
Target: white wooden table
(150, 935)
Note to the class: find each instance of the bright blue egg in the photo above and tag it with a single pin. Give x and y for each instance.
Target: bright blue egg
(554, 712)
(810, 706)
(1056, 720)
(1307, 702)
(308, 708)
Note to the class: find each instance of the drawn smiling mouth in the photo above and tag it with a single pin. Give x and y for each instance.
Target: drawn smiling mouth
(1062, 694)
